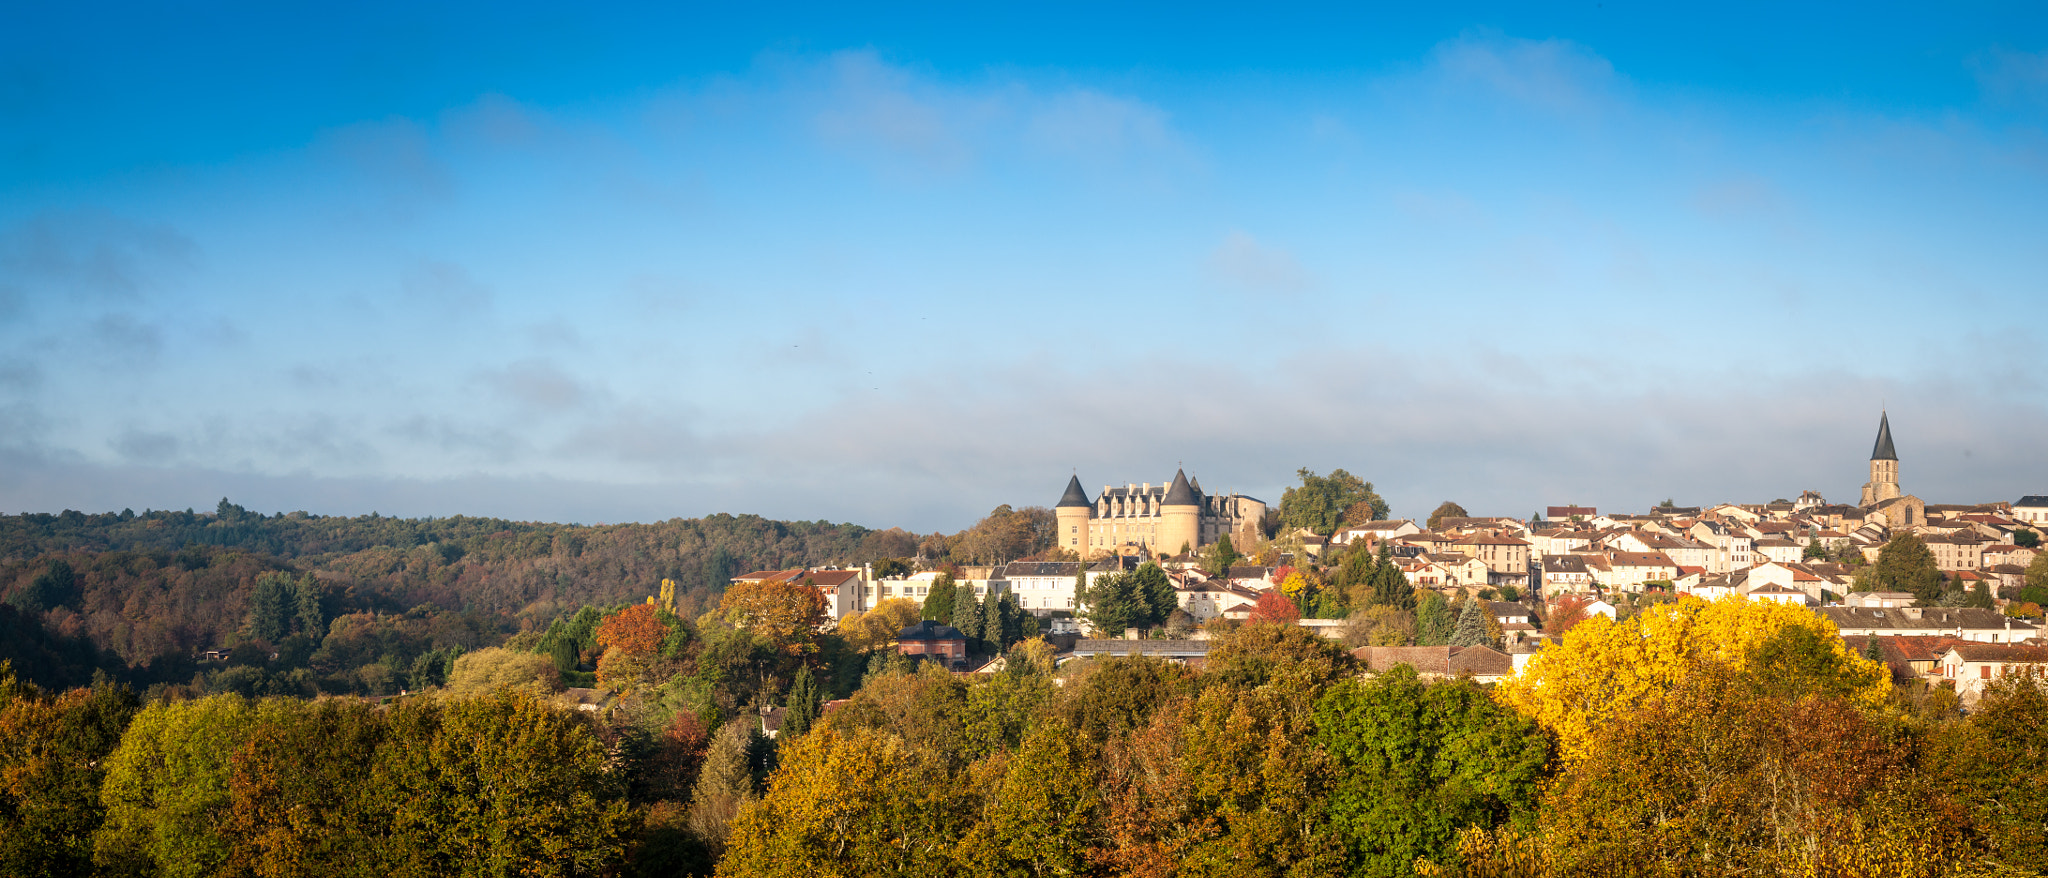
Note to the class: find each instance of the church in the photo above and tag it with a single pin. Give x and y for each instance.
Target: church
(1164, 519)
(1883, 502)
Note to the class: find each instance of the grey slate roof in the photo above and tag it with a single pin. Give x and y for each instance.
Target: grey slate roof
(1883, 450)
(1160, 648)
(1063, 569)
(1180, 493)
(1074, 496)
(2033, 500)
(930, 630)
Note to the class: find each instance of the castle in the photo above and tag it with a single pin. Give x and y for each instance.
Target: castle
(1163, 520)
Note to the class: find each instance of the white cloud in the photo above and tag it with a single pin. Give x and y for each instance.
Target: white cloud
(870, 106)
(1558, 76)
(1247, 263)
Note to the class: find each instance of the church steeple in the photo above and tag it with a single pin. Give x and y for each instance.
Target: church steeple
(1884, 466)
(1883, 450)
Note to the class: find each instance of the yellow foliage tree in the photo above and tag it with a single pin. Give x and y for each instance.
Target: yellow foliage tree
(877, 628)
(1605, 668)
(859, 803)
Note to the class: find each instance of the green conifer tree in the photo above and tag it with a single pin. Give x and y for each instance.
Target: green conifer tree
(968, 618)
(312, 617)
(801, 705)
(938, 603)
(1471, 629)
(993, 621)
(1434, 622)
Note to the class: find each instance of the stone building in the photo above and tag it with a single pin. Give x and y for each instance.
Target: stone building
(1882, 498)
(1161, 519)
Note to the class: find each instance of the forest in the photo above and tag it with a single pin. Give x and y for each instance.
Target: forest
(377, 604)
(1723, 739)
(370, 696)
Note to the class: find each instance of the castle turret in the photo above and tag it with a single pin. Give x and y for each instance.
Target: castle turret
(1072, 514)
(1180, 517)
(1884, 465)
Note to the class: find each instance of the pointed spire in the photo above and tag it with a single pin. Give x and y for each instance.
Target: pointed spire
(1074, 495)
(1883, 450)
(1179, 494)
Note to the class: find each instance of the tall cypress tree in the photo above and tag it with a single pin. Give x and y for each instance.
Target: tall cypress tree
(1471, 625)
(1434, 622)
(938, 604)
(992, 623)
(964, 602)
(801, 705)
(270, 607)
(1389, 585)
(312, 617)
(967, 617)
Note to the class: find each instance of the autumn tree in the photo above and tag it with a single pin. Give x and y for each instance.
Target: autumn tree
(52, 761)
(1007, 535)
(785, 613)
(877, 628)
(1607, 668)
(297, 791)
(1273, 607)
(1566, 612)
(1446, 509)
(862, 802)
(488, 670)
(1973, 761)
(1107, 697)
(166, 787)
(637, 630)
(1723, 776)
(1040, 821)
(493, 785)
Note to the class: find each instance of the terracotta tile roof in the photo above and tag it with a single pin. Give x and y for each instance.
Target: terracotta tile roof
(1999, 652)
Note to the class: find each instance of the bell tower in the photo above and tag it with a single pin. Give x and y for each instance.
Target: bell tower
(1884, 466)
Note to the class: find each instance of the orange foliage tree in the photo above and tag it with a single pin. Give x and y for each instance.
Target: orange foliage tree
(637, 630)
(787, 613)
(1275, 607)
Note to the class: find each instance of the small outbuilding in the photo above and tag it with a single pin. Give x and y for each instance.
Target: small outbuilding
(928, 638)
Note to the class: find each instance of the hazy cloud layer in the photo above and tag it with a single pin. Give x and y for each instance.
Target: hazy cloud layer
(845, 285)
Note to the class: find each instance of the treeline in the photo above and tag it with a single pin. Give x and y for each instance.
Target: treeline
(1724, 739)
(379, 602)
(1719, 739)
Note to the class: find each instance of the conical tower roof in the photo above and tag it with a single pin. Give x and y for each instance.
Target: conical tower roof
(1179, 493)
(1074, 495)
(1883, 450)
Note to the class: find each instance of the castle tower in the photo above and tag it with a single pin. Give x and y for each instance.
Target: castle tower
(1180, 517)
(1884, 466)
(1072, 513)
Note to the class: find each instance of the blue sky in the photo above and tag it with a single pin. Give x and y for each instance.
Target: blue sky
(898, 266)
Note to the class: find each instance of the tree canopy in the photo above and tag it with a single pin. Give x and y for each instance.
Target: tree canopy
(1323, 503)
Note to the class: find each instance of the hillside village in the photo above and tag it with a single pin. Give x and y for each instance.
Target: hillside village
(1969, 616)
